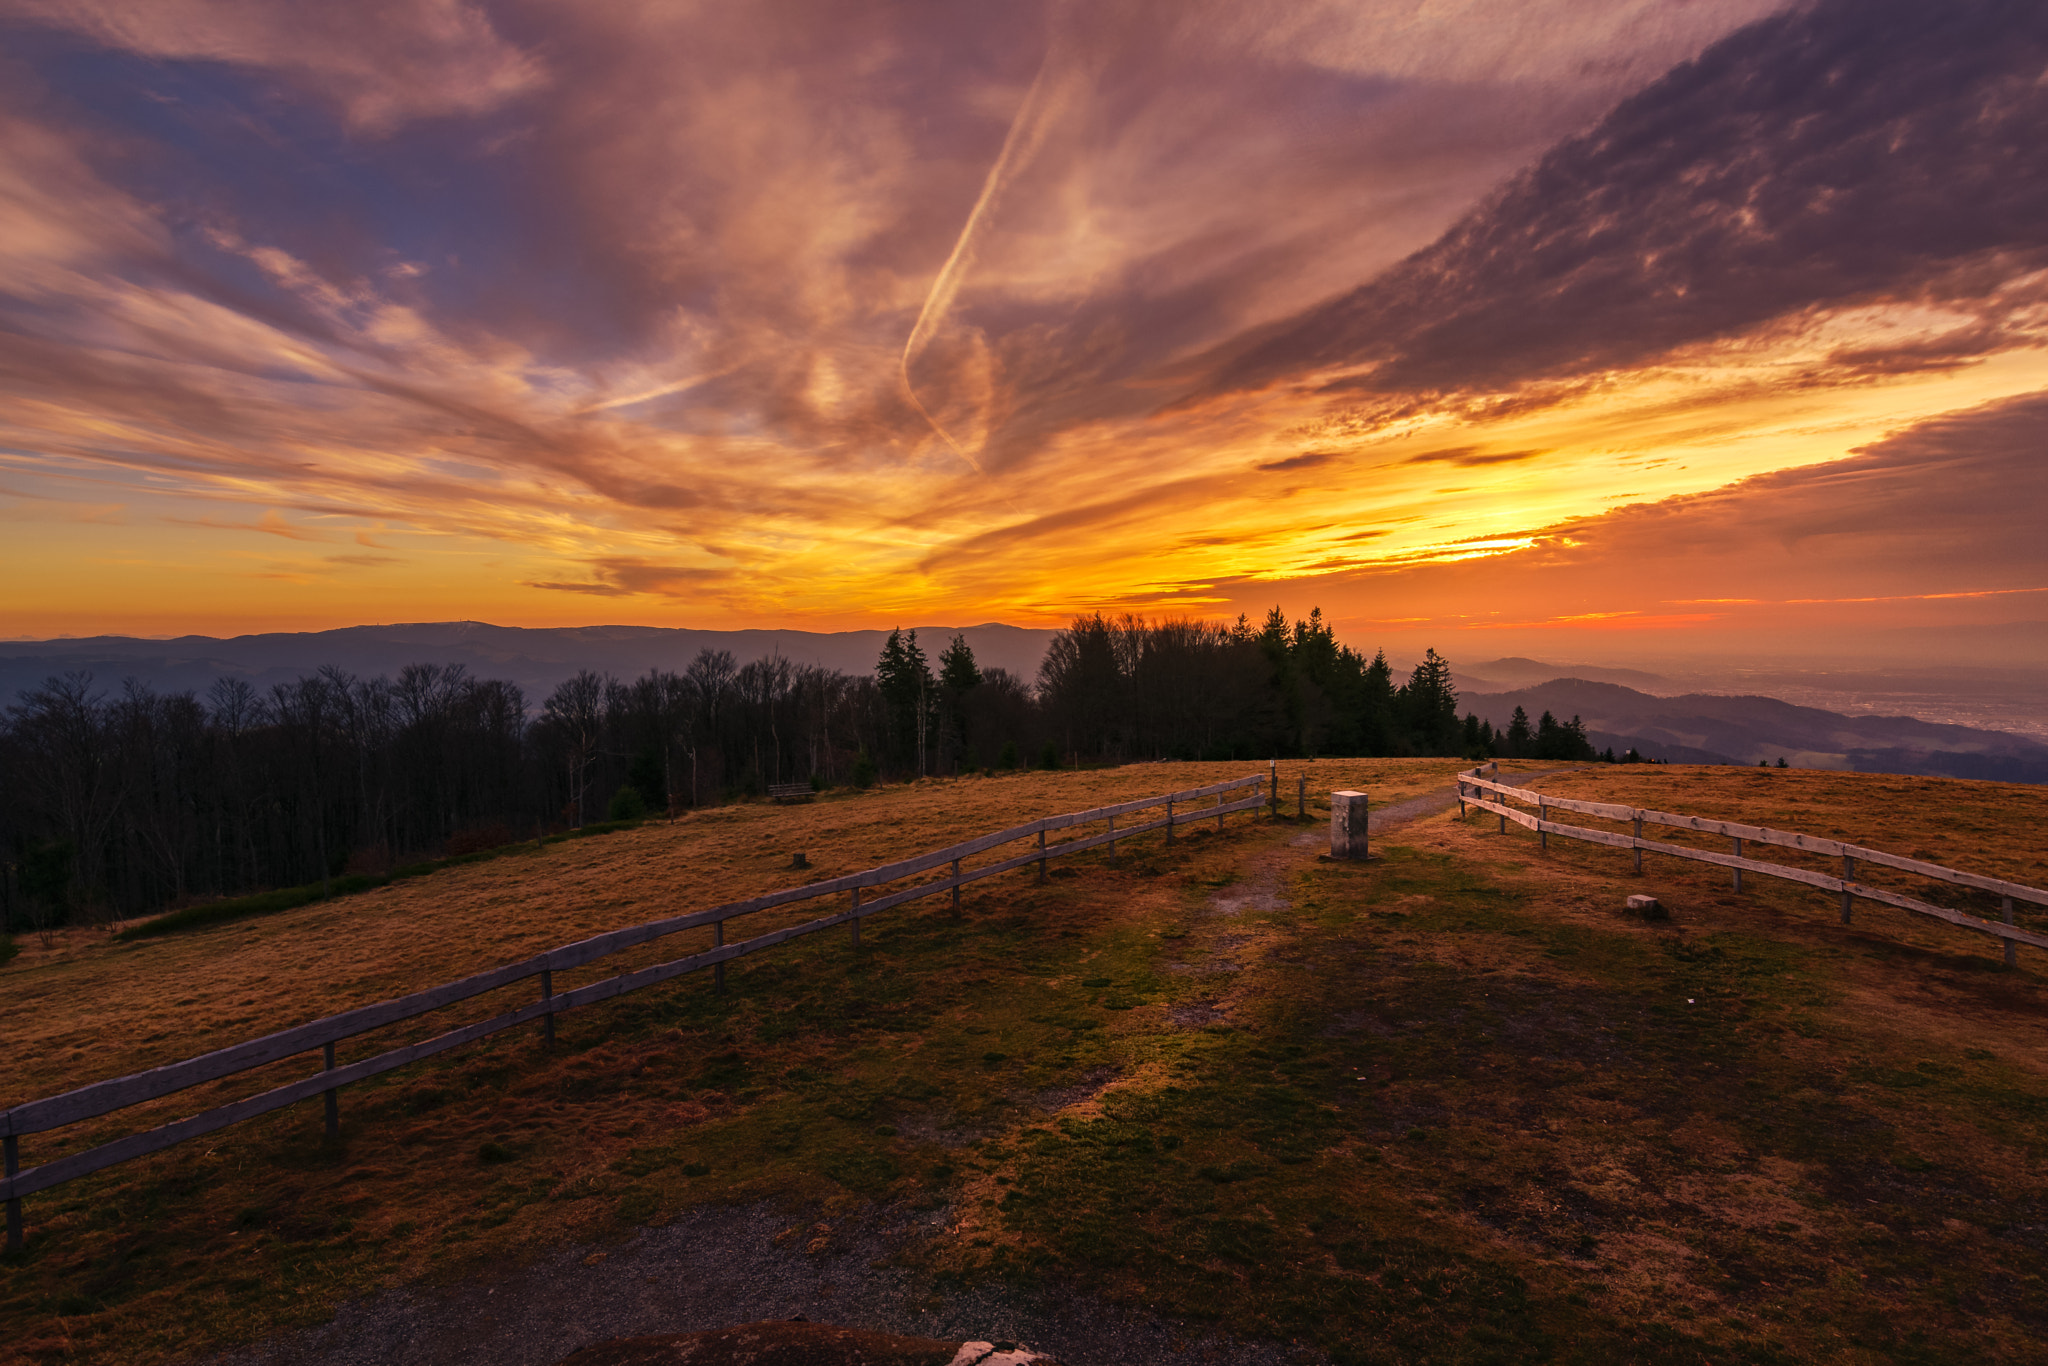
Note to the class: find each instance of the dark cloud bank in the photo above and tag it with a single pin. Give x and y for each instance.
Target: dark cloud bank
(1857, 151)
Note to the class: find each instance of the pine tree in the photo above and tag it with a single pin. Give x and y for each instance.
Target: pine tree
(1519, 734)
(958, 676)
(957, 669)
(908, 691)
(1376, 706)
(1429, 706)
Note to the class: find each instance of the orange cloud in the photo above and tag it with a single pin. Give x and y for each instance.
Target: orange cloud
(669, 307)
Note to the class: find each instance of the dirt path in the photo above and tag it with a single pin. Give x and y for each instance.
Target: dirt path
(1384, 818)
(1415, 808)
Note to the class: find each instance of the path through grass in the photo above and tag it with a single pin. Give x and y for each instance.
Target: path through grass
(1445, 1106)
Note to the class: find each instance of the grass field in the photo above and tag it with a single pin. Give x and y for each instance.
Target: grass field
(1447, 1105)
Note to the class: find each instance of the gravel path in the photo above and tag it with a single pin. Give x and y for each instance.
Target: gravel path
(717, 1266)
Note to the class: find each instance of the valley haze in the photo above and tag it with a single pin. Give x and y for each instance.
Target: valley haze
(1972, 723)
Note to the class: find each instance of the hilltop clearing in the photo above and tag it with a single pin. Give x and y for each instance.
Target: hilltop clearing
(1447, 1104)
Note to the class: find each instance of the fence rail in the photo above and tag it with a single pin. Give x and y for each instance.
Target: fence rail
(105, 1097)
(1473, 790)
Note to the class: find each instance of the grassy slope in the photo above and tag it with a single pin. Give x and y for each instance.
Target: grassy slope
(1445, 1105)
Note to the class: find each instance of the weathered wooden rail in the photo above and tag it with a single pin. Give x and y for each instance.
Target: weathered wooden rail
(105, 1097)
(1473, 791)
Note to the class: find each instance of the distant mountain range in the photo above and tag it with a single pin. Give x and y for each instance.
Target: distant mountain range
(1704, 728)
(1504, 675)
(1621, 707)
(537, 659)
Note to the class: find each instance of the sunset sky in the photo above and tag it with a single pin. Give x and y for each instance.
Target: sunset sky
(1567, 326)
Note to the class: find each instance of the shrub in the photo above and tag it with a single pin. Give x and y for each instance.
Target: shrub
(8, 948)
(626, 805)
(1049, 757)
(863, 769)
(1008, 760)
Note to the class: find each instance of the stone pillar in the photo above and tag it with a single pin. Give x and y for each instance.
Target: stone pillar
(1347, 825)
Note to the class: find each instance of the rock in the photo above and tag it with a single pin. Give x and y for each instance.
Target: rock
(1648, 907)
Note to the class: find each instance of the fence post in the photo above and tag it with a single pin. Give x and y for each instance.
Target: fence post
(1041, 856)
(1461, 794)
(1848, 899)
(13, 1145)
(2012, 948)
(1542, 835)
(1169, 820)
(1639, 846)
(547, 993)
(1112, 842)
(1738, 854)
(718, 969)
(333, 1106)
(1301, 797)
(1273, 800)
(1219, 815)
(956, 889)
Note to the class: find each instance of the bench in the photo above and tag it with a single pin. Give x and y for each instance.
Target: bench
(790, 792)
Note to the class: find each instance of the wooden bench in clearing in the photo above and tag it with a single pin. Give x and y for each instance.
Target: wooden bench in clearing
(791, 792)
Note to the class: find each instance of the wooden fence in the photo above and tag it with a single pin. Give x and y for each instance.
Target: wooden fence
(1474, 791)
(100, 1098)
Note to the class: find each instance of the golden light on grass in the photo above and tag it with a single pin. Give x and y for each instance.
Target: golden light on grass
(1440, 1100)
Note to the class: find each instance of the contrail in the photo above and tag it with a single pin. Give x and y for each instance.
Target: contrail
(1027, 131)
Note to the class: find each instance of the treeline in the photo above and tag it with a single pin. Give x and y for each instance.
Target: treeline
(121, 803)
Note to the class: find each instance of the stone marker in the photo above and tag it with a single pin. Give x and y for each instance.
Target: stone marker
(1347, 825)
(1648, 907)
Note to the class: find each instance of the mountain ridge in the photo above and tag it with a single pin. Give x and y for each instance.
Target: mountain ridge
(1747, 728)
(537, 658)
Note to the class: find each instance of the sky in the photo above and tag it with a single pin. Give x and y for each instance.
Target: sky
(1580, 327)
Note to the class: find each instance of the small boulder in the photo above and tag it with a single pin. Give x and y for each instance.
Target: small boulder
(1648, 907)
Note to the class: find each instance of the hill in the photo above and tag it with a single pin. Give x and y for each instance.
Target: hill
(1706, 728)
(537, 659)
(1445, 1105)
(1505, 675)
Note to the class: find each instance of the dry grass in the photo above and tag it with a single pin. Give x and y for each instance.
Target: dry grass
(89, 1009)
(1448, 1105)
(1993, 829)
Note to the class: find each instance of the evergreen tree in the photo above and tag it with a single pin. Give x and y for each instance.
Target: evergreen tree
(1428, 707)
(1518, 734)
(908, 692)
(645, 778)
(958, 676)
(1376, 707)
